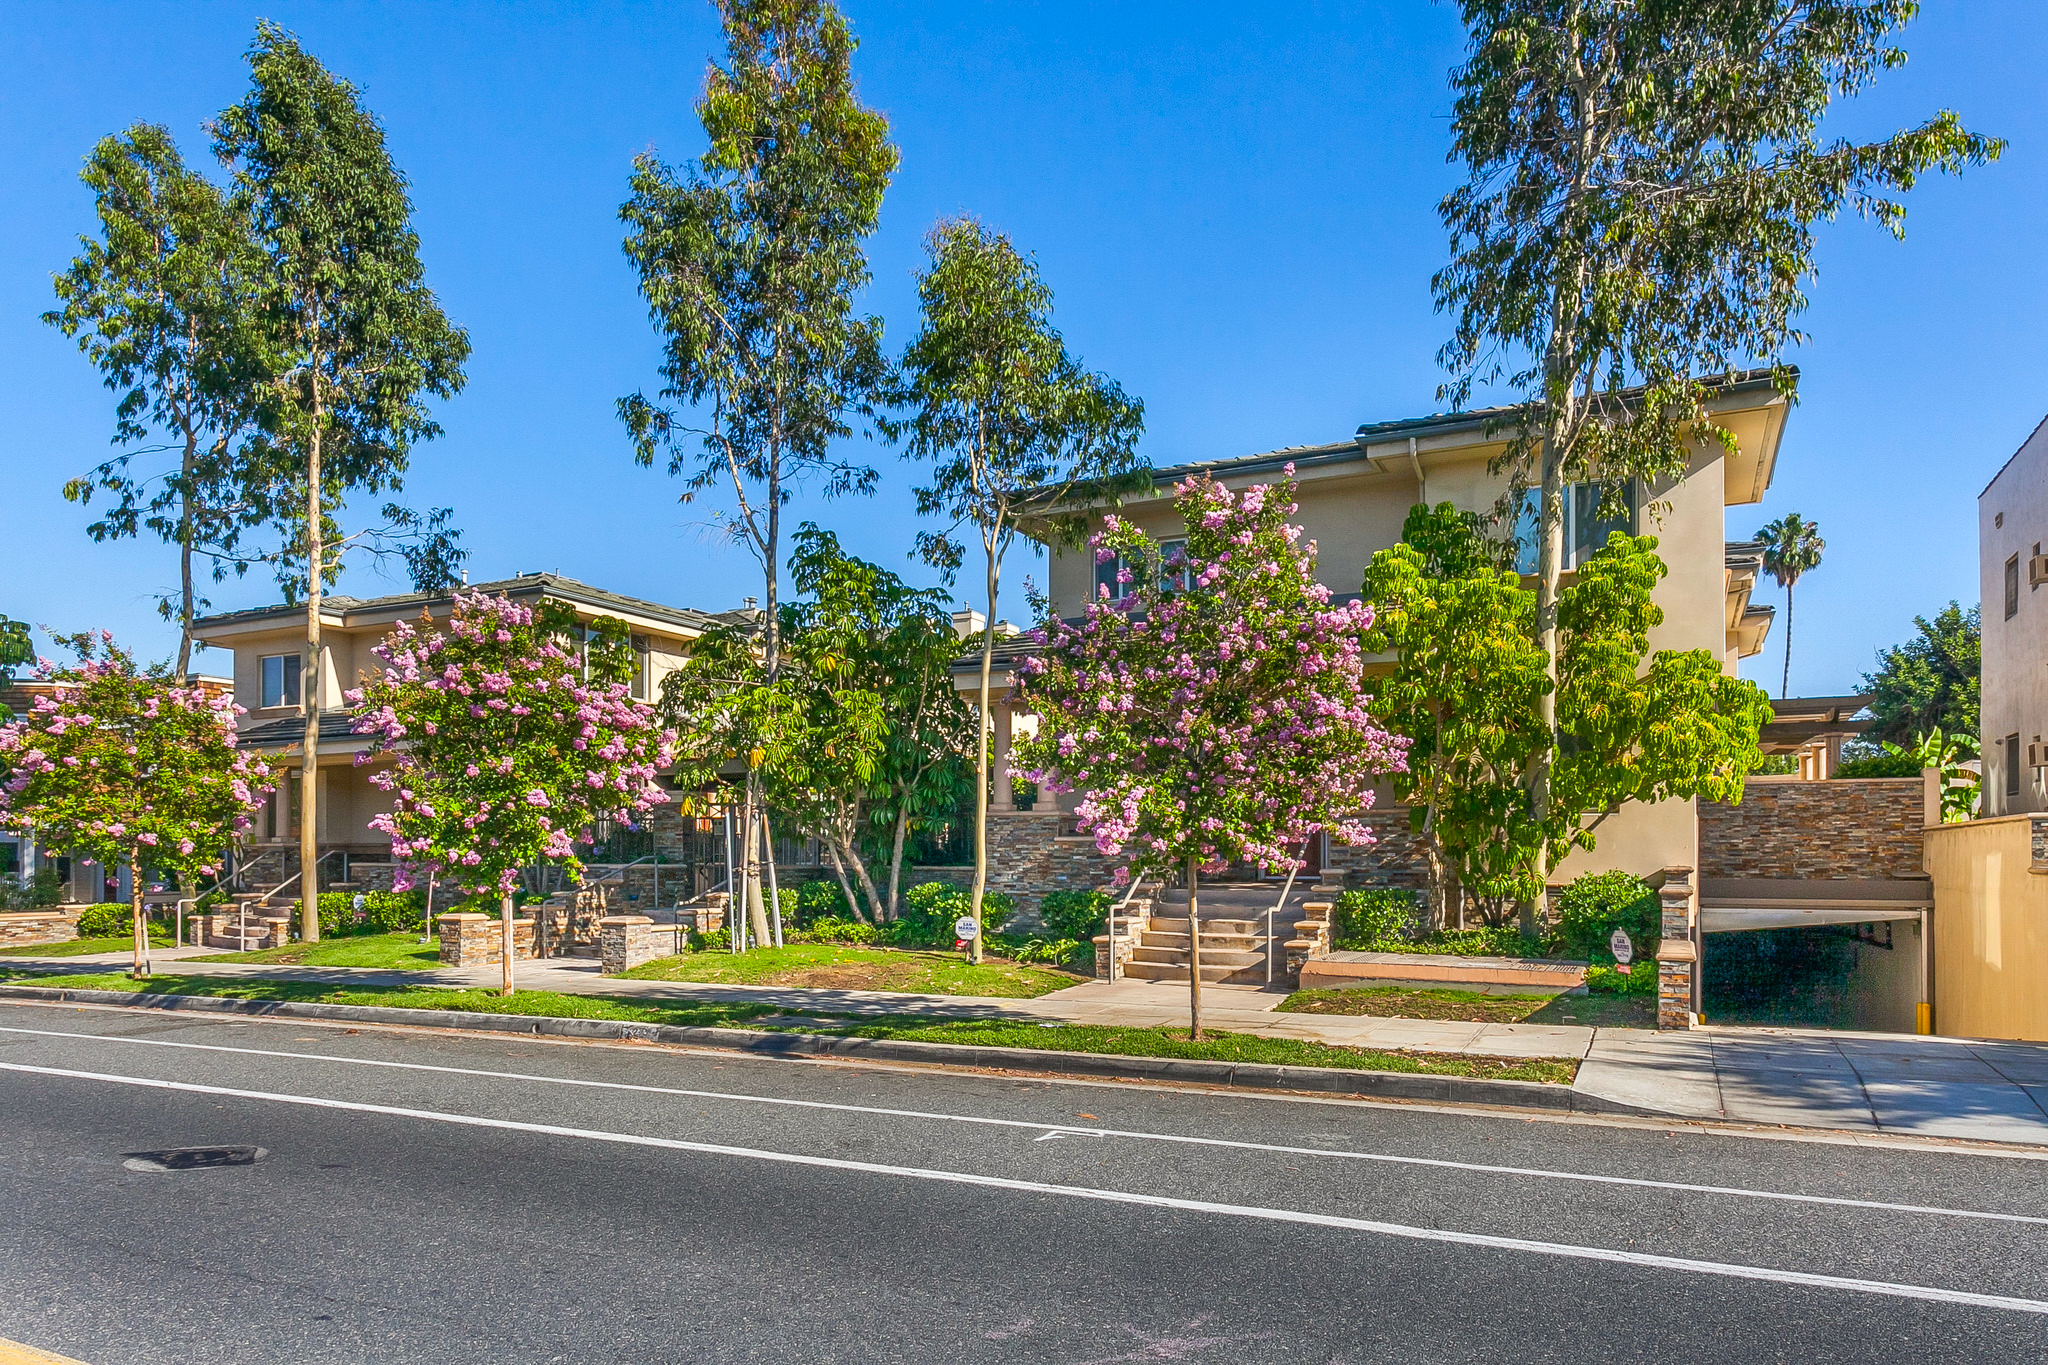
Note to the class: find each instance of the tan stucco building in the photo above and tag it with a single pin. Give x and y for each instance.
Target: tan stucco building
(1355, 494)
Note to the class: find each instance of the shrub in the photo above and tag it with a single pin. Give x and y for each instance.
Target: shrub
(717, 941)
(104, 921)
(814, 902)
(1077, 915)
(1057, 952)
(837, 930)
(929, 910)
(1594, 906)
(384, 912)
(37, 893)
(1376, 919)
(1502, 941)
(1883, 763)
(1639, 979)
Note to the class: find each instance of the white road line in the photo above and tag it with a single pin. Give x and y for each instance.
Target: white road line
(1053, 1129)
(1728, 1270)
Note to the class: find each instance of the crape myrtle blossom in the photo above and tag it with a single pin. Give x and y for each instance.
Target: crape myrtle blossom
(479, 790)
(124, 766)
(1216, 707)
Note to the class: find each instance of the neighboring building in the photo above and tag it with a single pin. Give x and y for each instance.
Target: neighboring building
(1354, 496)
(268, 644)
(2012, 526)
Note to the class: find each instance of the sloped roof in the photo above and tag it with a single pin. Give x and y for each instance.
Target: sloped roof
(525, 586)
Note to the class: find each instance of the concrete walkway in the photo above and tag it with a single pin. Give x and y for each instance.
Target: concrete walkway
(1861, 1082)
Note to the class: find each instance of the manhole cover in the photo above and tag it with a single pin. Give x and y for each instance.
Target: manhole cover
(193, 1158)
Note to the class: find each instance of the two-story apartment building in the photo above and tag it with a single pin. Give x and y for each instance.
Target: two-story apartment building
(1353, 497)
(2012, 527)
(268, 646)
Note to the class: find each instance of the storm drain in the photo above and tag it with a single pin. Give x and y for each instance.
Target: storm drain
(193, 1158)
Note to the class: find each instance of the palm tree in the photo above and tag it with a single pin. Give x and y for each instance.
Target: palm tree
(1791, 547)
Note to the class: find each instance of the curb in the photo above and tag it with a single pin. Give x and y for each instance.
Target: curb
(1394, 1085)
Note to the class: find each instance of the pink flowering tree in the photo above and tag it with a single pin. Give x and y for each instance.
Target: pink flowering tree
(511, 738)
(1213, 711)
(123, 766)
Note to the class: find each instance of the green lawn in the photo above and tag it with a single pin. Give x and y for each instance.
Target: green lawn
(839, 967)
(1122, 1042)
(1226, 1047)
(79, 947)
(403, 951)
(1477, 1007)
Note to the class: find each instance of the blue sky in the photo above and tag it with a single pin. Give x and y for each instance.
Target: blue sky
(1234, 205)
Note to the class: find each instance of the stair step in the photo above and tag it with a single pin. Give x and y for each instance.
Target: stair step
(1178, 924)
(1165, 971)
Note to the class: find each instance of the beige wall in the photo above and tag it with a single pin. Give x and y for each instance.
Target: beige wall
(1990, 929)
(2015, 683)
(1354, 513)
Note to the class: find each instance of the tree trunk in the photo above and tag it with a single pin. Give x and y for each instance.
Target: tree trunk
(138, 923)
(309, 693)
(1785, 683)
(427, 914)
(185, 562)
(845, 886)
(981, 743)
(896, 851)
(506, 952)
(757, 912)
(774, 884)
(867, 882)
(1549, 564)
(1194, 955)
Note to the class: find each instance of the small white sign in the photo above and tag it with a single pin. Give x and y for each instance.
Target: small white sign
(965, 927)
(359, 902)
(1623, 949)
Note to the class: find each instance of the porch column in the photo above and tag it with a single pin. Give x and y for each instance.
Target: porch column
(1003, 798)
(1677, 954)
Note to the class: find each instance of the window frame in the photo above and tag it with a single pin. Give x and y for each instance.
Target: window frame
(290, 681)
(2012, 767)
(1576, 551)
(2012, 587)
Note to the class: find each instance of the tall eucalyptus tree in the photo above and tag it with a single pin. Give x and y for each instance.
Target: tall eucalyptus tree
(1644, 181)
(357, 341)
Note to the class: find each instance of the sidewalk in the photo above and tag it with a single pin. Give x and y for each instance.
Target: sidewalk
(1862, 1082)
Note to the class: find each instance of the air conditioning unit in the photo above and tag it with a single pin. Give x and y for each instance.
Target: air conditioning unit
(2037, 571)
(2037, 755)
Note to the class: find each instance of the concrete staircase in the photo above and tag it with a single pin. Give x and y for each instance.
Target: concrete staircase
(1233, 930)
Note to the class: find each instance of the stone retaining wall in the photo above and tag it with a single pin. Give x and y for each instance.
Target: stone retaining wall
(23, 928)
(1841, 828)
(473, 940)
(1393, 858)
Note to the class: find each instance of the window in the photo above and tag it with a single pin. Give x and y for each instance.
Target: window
(1585, 530)
(280, 680)
(2012, 766)
(2012, 587)
(640, 671)
(1173, 580)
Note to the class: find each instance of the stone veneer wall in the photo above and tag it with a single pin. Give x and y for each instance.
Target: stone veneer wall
(1393, 858)
(1840, 828)
(22, 928)
(1028, 857)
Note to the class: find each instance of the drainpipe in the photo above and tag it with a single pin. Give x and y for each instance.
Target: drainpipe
(1923, 1013)
(1421, 483)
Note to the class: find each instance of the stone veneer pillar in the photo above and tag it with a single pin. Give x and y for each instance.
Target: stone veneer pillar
(1677, 957)
(626, 941)
(472, 940)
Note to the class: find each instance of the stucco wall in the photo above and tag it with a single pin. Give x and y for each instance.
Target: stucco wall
(1842, 828)
(1990, 928)
(2015, 685)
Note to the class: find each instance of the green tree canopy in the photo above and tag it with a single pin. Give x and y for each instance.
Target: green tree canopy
(1637, 219)
(749, 259)
(356, 341)
(1930, 682)
(1007, 417)
(165, 303)
(1467, 679)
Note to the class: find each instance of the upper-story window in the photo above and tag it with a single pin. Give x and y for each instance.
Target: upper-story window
(1585, 529)
(1108, 572)
(2012, 587)
(642, 674)
(280, 680)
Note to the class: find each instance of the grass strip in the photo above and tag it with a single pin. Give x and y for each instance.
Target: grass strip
(1218, 1047)
(399, 951)
(833, 966)
(1409, 1002)
(1090, 1038)
(79, 947)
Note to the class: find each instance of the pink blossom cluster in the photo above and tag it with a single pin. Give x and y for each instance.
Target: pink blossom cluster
(1223, 715)
(499, 753)
(116, 762)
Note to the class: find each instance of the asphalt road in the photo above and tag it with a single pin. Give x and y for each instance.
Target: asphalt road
(438, 1198)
